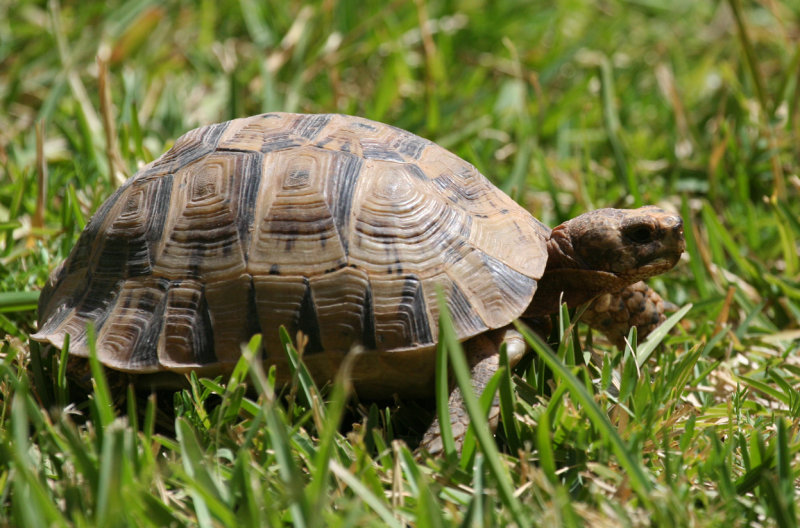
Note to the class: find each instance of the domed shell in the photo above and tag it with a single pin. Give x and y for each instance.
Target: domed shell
(336, 226)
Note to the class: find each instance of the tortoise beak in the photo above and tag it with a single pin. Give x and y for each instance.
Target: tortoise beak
(669, 241)
(672, 229)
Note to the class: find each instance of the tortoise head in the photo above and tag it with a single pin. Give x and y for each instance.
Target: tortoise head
(604, 251)
(632, 244)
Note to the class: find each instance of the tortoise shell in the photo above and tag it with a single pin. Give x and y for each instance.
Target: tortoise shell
(336, 226)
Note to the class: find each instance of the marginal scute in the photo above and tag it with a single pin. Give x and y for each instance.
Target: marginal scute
(463, 313)
(189, 147)
(400, 312)
(278, 303)
(187, 326)
(129, 337)
(340, 228)
(226, 301)
(307, 321)
(491, 286)
(341, 301)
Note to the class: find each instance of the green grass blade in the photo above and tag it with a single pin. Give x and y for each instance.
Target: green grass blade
(645, 349)
(40, 380)
(701, 280)
(408, 465)
(544, 444)
(508, 403)
(477, 419)
(612, 126)
(442, 387)
(19, 301)
(718, 232)
(639, 482)
(317, 490)
(486, 401)
(76, 207)
(786, 487)
(194, 465)
(308, 388)
(766, 388)
(108, 485)
(290, 473)
(429, 515)
(365, 494)
(103, 402)
(62, 386)
(476, 513)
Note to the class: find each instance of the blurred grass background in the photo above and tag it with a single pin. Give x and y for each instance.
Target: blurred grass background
(567, 106)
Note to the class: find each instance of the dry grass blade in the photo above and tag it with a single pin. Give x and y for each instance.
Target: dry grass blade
(116, 167)
(75, 83)
(41, 183)
(761, 92)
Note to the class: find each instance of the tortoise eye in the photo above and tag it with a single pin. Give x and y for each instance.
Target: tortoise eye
(641, 234)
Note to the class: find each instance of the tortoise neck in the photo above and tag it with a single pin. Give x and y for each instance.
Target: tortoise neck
(560, 251)
(565, 279)
(571, 286)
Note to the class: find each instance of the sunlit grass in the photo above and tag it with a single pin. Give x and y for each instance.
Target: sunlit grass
(567, 107)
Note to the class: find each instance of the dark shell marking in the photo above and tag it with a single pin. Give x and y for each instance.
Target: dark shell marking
(336, 226)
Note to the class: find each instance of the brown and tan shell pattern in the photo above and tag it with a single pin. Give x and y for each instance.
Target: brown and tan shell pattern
(336, 226)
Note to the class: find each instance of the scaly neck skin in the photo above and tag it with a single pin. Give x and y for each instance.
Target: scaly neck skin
(566, 280)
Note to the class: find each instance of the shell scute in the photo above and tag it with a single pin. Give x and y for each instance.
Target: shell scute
(133, 327)
(296, 228)
(188, 330)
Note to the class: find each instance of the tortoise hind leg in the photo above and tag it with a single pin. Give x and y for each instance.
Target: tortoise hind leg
(482, 353)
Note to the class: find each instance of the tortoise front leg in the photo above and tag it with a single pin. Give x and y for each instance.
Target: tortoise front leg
(614, 314)
(482, 353)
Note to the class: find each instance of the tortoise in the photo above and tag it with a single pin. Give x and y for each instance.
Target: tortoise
(343, 229)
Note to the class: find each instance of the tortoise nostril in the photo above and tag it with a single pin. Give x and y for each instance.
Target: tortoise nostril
(677, 227)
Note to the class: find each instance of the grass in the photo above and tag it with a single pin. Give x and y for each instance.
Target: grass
(567, 106)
